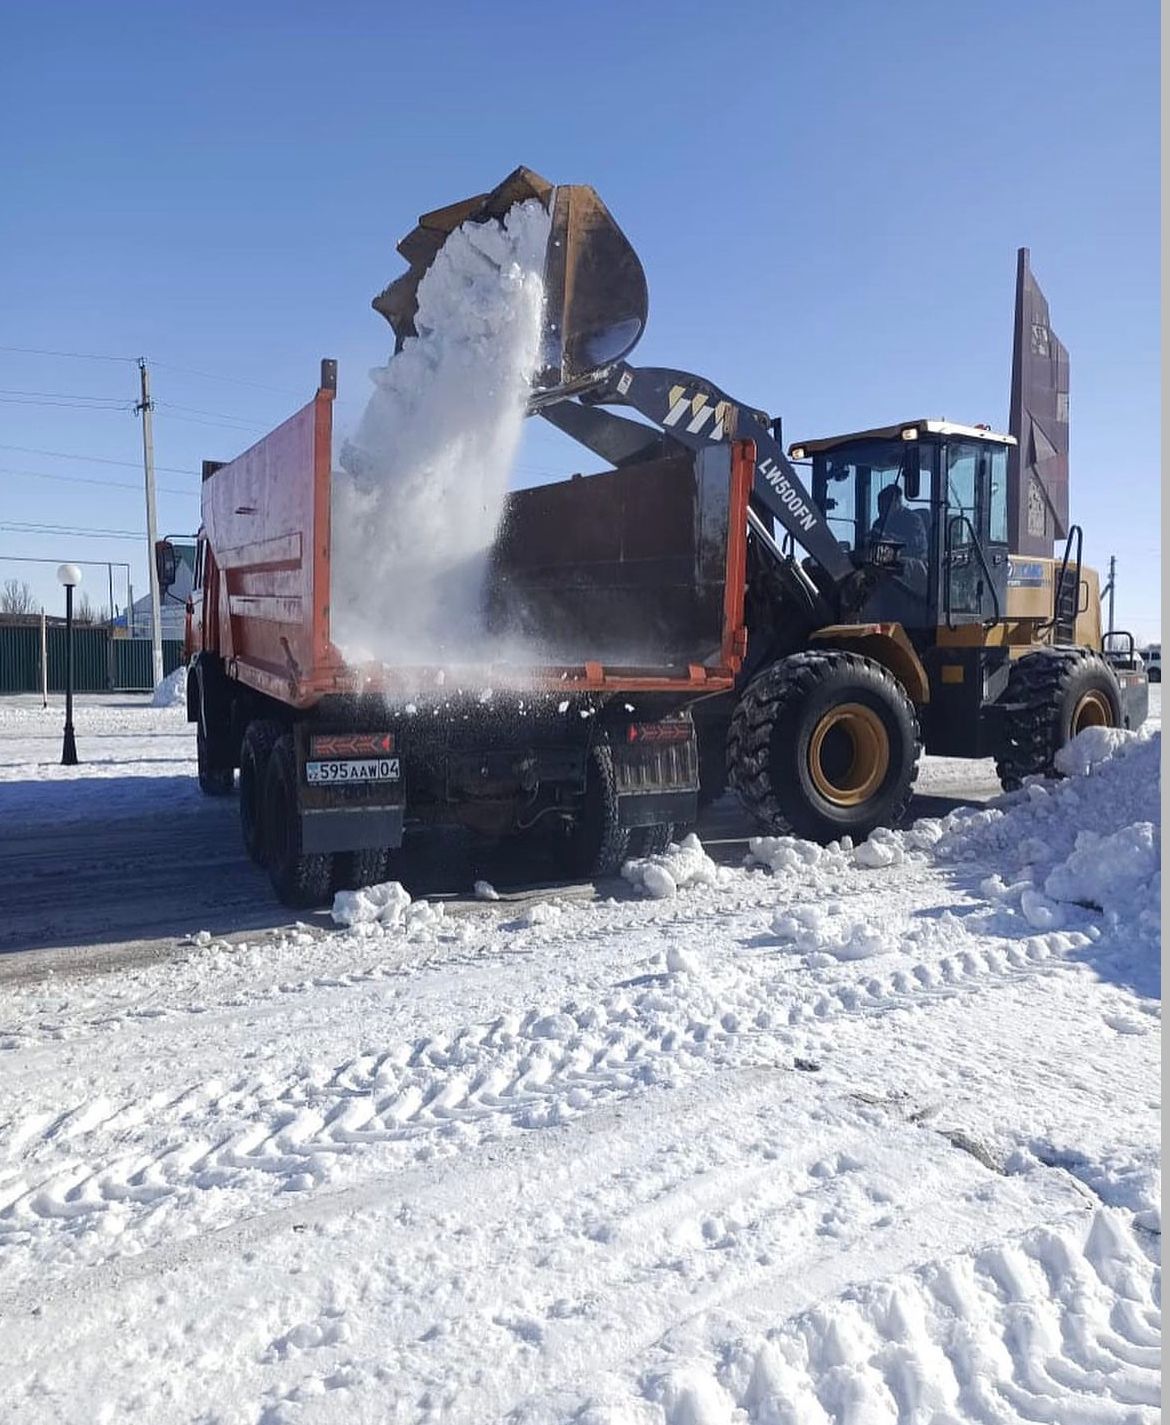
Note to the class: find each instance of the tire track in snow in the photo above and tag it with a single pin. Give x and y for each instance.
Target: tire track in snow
(541, 1069)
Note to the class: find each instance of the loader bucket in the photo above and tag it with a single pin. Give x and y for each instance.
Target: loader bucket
(595, 289)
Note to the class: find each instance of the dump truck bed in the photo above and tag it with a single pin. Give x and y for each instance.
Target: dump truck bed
(629, 580)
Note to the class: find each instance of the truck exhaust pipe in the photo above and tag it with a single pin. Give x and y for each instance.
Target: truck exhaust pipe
(596, 299)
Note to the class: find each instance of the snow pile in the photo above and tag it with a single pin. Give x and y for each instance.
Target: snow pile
(385, 906)
(1090, 840)
(824, 933)
(683, 864)
(416, 509)
(172, 691)
(790, 853)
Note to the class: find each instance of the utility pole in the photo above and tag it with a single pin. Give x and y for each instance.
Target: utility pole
(146, 407)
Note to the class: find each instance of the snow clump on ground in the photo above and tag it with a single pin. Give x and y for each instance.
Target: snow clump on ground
(386, 906)
(683, 864)
(172, 691)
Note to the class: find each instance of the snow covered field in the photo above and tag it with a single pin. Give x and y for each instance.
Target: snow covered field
(842, 1136)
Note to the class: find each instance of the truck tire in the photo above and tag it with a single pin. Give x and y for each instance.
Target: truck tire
(214, 781)
(216, 774)
(650, 840)
(298, 878)
(354, 869)
(824, 745)
(712, 741)
(260, 737)
(1053, 694)
(597, 844)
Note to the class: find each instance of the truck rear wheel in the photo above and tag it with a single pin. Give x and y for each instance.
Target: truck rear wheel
(824, 745)
(1053, 694)
(597, 844)
(650, 840)
(298, 878)
(354, 869)
(260, 738)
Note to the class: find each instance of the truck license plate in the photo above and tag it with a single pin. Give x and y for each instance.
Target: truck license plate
(353, 769)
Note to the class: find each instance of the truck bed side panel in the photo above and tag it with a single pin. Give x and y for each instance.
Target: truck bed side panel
(267, 516)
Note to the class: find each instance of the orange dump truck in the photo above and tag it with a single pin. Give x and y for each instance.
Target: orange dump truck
(630, 582)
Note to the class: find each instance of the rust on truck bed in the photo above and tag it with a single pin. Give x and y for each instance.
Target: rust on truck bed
(631, 580)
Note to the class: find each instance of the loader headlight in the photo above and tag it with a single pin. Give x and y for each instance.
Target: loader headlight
(796, 452)
(910, 433)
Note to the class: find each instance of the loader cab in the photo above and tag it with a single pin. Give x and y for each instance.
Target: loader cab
(923, 505)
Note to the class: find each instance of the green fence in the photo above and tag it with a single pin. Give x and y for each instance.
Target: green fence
(101, 664)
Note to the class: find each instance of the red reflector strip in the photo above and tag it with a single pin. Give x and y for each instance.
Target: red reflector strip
(351, 744)
(658, 732)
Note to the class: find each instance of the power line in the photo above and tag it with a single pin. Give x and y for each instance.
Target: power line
(86, 405)
(103, 484)
(73, 355)
(158, 365)
(230, 380)
(59, 395)
(21, 527)
(94, 459)
(219, 415)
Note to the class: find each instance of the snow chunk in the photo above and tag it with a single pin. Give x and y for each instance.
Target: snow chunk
(1090, 748)
(172, 691)
(683, 864)
(787, 853)
(485, 891)
(825, 930)
(1114, 873)
(384, 904)
(680, 961)
(542, 913)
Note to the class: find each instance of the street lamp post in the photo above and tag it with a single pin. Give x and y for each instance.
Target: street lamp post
(70, 576)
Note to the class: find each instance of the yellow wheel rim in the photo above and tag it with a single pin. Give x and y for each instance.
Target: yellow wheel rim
(1092, 710)
(849, 754)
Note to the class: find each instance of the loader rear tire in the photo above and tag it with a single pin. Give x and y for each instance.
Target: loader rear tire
(597, 844)
(1053, 693)
(299, 878)
(260, 737)
(824, 745)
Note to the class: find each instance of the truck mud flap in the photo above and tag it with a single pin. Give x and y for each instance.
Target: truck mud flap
(351, 828)
(656, 770)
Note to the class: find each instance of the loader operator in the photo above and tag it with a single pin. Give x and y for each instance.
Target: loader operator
(896, 520)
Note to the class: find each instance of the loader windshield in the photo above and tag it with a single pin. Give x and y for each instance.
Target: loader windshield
(849, 482)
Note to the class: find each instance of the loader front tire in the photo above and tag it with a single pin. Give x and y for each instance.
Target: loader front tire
(824, 745)
(298, 878)
(260, 738)
(597, 844)
(1053, 694)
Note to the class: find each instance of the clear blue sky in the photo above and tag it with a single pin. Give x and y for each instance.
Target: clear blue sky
(828, 199)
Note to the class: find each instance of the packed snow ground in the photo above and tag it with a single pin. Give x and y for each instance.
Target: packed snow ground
(846, 1135)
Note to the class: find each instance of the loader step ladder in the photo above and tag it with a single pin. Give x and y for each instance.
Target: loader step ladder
(1066, 598)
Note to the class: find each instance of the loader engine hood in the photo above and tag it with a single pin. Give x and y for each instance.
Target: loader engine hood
(596, 298)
